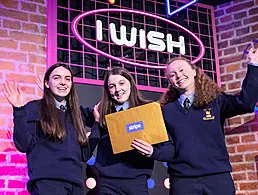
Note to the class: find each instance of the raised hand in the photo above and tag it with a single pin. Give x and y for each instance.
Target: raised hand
(143, 147)
(40, 81)
(13, 94)
(253, 56)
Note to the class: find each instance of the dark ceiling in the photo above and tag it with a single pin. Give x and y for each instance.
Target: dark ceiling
(214, 2)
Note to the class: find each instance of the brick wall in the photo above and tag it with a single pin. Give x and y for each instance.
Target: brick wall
(22, 58)
(237, 25)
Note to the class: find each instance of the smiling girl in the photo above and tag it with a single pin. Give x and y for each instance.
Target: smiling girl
(194, 110)
(51, 132)
(124, 173)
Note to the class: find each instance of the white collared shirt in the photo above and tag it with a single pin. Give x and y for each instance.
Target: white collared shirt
(58, 104)
(182, 98)
(125, 106)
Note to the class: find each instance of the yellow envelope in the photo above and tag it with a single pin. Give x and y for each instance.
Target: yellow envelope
(143, 122)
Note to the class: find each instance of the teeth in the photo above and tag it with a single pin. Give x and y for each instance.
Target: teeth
(181, 81)
(119, 95)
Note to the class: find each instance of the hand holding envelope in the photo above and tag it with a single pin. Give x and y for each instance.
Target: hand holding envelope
(143, 147)
(142, 124)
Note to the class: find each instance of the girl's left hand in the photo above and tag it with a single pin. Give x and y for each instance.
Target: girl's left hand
(143, 147)
(253, 56)
(96, 112)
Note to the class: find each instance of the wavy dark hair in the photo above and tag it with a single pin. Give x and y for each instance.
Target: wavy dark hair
(206, 90)
(50, 120)
(107, 104)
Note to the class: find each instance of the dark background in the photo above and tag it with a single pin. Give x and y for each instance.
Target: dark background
(214, 3)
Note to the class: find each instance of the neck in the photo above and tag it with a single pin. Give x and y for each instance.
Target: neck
(117, 103)
(188, 92)
(60, 99)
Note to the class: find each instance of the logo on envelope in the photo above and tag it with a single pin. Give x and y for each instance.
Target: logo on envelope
(133, 127)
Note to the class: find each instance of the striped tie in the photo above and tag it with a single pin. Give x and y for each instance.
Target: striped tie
(186, 103)
(62, 108)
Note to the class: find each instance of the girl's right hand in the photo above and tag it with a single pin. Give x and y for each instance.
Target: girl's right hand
(13, 94)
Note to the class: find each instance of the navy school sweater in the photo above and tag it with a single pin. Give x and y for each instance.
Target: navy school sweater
(47, 159)
(128, 165)
(198, 134)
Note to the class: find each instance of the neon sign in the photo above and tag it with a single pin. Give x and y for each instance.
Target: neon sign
(123, 60)
(153, 37)
(169, 13)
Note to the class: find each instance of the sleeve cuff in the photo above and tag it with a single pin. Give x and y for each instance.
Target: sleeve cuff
(19, 111)
(154, 154)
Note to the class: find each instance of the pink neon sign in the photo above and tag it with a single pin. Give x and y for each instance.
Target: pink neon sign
(78, 36)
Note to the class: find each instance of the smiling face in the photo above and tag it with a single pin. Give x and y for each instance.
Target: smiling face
(119, 88)
(60, 83)
(181, 75)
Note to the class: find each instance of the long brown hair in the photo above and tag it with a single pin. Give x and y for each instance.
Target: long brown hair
(108, 104)
(206, 90)
(50, 120)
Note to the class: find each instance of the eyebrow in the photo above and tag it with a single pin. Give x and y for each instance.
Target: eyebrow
(60, 75)
(118, 82)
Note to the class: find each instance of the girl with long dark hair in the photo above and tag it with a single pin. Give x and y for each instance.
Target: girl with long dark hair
(52, 134)
(124, 173)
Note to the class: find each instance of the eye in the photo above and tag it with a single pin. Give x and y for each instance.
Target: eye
(111, 86)
(55, 78)
(181, 70)
(122, 83)
(172, 75)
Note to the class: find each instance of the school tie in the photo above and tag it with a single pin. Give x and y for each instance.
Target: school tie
(62, 108)
(186, 103)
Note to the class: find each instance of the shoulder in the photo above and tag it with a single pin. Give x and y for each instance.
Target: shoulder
(167, 107)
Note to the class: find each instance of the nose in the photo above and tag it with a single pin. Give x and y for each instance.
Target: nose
(178, 75)
(117, 88)
(62, 81)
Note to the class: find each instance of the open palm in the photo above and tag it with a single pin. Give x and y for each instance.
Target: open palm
(13, 94)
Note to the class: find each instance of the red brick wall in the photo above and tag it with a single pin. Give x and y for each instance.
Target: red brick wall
(237, 25)
(22, 58)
